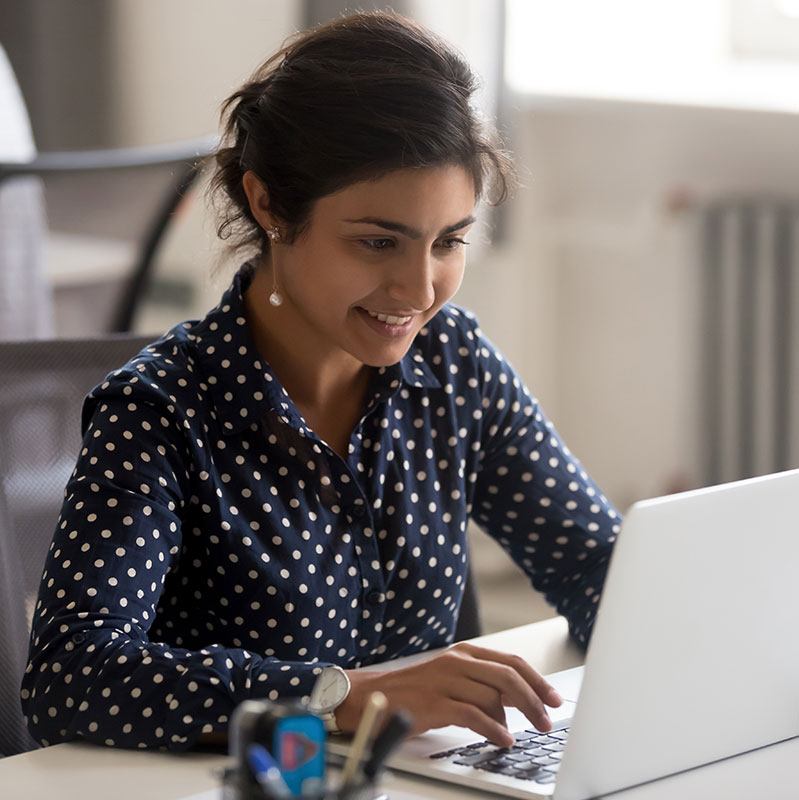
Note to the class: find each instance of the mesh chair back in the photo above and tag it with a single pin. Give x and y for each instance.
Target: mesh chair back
(42, 386)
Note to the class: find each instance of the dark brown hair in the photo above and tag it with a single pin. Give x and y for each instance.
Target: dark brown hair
(349, 101)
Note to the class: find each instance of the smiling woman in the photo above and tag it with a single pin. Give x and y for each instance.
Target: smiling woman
(375, 263)
(276, 495)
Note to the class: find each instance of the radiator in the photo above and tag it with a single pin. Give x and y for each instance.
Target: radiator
(751, 337)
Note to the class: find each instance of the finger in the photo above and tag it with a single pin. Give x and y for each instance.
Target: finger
(516, 691)
(470, 716)
(485, 697)
(545, 690)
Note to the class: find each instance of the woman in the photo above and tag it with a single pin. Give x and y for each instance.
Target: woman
(284, 486)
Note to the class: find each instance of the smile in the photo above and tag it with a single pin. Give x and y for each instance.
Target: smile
(389, 319)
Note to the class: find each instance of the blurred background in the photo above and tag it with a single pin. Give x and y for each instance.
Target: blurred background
(644, 280)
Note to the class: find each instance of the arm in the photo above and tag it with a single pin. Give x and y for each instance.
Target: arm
(466, 685)
(534, 497)
(97, 669)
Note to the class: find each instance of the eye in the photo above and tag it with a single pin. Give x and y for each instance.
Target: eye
(377, 244)
(451, 243)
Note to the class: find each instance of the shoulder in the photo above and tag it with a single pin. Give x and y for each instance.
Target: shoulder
(454, 337)
(453, 333)
(161, 373)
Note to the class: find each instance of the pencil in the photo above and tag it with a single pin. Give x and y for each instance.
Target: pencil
(374, 706)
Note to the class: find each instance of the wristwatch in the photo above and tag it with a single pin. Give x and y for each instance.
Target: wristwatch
(330, 690)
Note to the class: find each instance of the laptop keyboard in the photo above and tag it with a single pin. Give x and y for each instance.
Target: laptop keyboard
(534, 757)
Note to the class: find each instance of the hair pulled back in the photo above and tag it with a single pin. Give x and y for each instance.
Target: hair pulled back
(349, 101)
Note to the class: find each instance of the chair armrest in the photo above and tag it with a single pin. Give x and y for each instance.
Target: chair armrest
(114, 158)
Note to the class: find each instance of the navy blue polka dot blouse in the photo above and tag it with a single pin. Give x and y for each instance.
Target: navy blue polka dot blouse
(212, 548)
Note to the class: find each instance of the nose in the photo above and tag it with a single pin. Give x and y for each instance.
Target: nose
(412, 282)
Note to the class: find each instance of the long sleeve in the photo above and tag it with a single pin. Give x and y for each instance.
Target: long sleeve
(95, 671)
(534, 497)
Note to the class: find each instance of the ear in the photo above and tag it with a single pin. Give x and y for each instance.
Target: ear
(258, 198)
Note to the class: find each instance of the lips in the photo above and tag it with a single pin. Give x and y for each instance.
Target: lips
(391, 326)
(390, 319)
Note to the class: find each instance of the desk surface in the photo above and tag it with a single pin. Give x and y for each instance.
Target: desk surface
(79, 771)
(86, 772)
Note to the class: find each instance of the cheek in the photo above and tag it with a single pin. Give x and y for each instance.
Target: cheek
(449, 280)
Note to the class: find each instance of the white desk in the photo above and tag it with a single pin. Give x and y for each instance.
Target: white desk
(86, 772)
(78, 771)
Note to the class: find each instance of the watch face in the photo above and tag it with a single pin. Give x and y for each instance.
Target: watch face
(330, 690)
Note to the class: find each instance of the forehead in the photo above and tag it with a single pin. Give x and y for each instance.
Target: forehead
(431, 197)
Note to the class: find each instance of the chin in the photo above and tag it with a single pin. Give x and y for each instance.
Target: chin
(381, 362)
(384, 359)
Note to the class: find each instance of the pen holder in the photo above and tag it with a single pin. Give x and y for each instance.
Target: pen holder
(238, 783)
(296, 741)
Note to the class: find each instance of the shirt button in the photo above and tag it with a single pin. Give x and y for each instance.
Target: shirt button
(358, 511)
(78, 638)
(374, 597)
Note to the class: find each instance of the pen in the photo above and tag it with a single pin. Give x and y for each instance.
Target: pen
(374, 706)
(397, 727)
(267, 772)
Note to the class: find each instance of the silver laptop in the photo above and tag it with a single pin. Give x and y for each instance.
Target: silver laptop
(694, 656)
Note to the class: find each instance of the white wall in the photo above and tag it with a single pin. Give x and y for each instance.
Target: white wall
(596, 296)
(175, 62)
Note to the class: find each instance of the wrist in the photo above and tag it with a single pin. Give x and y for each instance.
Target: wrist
(348, 714)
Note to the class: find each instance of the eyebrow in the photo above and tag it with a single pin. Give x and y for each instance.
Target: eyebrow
(406, 230)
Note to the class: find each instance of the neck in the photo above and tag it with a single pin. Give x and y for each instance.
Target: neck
(315, 375)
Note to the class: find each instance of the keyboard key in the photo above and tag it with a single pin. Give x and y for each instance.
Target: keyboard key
(473, 760)
(529, 774)
(490, 766)
(535, 756)
(499, 763)
(520, 758)
(471, 749)
(538, 752)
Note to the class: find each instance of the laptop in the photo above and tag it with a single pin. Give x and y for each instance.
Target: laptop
(694, 656)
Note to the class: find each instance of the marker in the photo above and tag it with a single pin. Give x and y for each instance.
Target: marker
(374, 706)
(395, 730)
(267, 772)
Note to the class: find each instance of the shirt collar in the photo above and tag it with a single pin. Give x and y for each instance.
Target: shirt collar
(241, 383)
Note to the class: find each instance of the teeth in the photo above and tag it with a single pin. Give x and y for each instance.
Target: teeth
(388, 318)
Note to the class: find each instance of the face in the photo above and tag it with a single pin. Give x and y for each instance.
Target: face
(378, 259)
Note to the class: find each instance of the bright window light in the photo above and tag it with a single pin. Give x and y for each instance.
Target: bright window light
(789, 8)
(662, 51)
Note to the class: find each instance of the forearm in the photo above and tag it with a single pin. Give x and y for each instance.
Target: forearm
(111, 689)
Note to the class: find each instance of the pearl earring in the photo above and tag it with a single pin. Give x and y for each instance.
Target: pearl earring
(273, 232)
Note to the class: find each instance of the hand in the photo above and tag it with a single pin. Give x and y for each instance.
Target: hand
(465, 685)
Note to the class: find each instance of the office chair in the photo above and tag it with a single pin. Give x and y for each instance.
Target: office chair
(19, 160)
(41, 394)
(469, 625)
(183, 159)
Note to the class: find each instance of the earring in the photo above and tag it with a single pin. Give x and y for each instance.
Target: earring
(273, 232)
